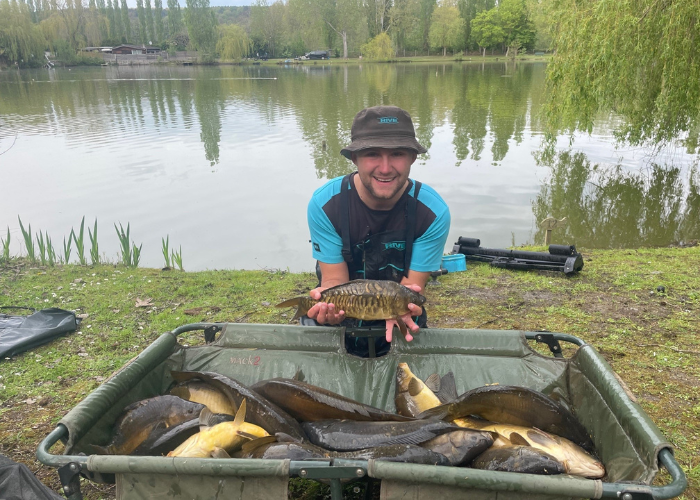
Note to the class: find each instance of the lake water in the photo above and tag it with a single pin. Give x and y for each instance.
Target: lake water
(223, 160)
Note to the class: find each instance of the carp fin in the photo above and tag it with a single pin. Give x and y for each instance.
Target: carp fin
(219, 453)
(257, 443)
(299, 375)
(448, 388)
(433, 383)
(297, 302)
(205, 417)
(402, 326)
(414, 387)
(518, 439)
(282, 437)
(240, 415)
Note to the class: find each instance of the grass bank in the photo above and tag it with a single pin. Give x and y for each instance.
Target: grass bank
(649, 337)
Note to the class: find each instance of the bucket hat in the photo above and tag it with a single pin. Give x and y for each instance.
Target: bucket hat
(382, 127)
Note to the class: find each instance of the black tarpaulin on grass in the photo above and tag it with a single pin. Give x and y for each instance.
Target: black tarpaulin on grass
(20, 333)
(18, 483)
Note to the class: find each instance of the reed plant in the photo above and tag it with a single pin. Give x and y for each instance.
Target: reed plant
(177, 258)
(28, 241)
(79, 239)
(166, 252)
(124, 243)
(94, 251)
(67, 247)
(5, 247)
(41, 246)
(50, 251)
(136, 254)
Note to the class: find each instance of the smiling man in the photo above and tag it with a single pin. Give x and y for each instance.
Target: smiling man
(377, 223)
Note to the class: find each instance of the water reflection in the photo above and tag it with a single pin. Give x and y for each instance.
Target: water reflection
(257, 140)
(475, 100)
(613, 207)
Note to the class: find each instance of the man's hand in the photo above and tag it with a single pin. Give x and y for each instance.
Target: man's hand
(406, 318)
(323, 313)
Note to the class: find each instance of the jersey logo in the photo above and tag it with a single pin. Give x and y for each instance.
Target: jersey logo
(317, 247)
(395, 245)
(388, 119)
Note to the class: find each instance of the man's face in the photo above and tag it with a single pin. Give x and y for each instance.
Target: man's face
(384, 172)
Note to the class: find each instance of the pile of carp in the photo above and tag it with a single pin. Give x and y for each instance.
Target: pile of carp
(504, 428)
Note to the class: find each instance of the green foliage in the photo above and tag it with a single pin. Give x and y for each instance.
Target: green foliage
(267, 25)
(166, 251)
(94, 249)
(21, 42)
(507, 25)
(486, 29)
(233, 42)
(41, 245)
(67, 247)
(405, 25)
(378, 48)
(50, 251)
(124, 243)
(201, 26)
(446, 28)
(79, 239)
(5, 256)
(130, 253)
(175, 19)
(28, 242)
(637, 58)
(176, 257)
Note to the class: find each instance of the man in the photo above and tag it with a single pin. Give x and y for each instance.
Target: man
(376, 223)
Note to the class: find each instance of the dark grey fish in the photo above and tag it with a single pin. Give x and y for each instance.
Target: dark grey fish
(460, 447)
(407, 453)
(309, 403)
(148, 419)
(260, 411)
(518, 459)
(349, 435)
(292, 450)
(517, 406)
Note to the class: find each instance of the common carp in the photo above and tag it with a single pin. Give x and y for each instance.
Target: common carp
(206, 394)
(349, 435)
(148, 418)
(309, 403)
(221, 439)
(414, 396)
(363, 299)
(518, 459)
(293, 450)
(160, 444)
(261, 412)
(460, 447)
(575, 459)
(517, 406)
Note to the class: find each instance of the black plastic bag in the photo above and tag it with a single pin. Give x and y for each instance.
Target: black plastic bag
(20, 333)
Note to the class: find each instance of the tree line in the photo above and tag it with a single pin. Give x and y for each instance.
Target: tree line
(376, 29)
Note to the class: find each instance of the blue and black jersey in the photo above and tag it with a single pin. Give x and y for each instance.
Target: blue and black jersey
(431, 227)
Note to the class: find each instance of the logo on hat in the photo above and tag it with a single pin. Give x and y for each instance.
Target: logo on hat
(388, 119)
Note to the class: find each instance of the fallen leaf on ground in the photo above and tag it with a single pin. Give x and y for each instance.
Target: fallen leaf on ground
(194, 311)
(144, 303)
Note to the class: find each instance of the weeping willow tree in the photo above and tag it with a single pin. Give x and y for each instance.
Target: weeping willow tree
(21, 42)
(637, 58)
(233, 42)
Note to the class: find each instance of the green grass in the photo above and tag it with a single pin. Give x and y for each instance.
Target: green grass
(649, 338)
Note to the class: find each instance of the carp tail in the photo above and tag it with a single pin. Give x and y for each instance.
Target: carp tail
(301, 303)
